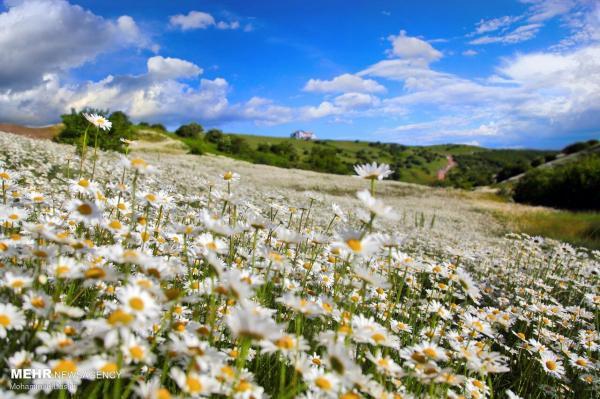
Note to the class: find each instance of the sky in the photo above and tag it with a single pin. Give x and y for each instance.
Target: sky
(495, 73)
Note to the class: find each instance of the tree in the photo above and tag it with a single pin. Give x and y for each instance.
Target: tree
(191, 130)
(75, 126)
(213, 136)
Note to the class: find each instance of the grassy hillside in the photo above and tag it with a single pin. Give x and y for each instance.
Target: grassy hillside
(476, 166)
(413, 164)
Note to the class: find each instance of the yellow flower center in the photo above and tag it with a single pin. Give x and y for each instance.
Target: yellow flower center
(378, 337)
(136, 303)
(4, 320)
(243, 386)
(228, 175)
(38, 302)
(162, 393)
(581, 362)
(84, 183)
(4, 176)
(13, 216)
(354, 244)
(95, 272)
(323, 383)
(137, 352)
(193, 384)
(85, 209)
(430, 352)
(551, 365)
(109, 368)
(138, 163)
(119, 317)
(65, 367)
(151, 197)
(115, 224)
(17, 284)
(285, 342)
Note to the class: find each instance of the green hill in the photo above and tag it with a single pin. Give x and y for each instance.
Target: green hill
(476, 166)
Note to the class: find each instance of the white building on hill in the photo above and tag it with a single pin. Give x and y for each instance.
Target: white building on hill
(303, 135)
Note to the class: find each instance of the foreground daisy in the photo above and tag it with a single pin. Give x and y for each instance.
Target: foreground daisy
(99, 121)
(11, 318)
(373, 171)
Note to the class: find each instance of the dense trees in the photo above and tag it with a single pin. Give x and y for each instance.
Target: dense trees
(575, 185)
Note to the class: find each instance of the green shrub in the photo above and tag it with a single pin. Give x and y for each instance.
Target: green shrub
(213, 136)
(191, 130)
(75, 126)
(571, 186)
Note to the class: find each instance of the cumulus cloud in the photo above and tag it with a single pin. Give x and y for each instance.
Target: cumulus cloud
(200, 20)
(344, 83)
(71, 36)
(192, 20)
(156, 96)
(543, 93)
(412, 48)
(172, 68)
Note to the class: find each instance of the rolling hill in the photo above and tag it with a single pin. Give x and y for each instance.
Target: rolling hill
(455, 165)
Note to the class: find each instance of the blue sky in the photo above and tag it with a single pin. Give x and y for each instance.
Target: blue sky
(522, 73)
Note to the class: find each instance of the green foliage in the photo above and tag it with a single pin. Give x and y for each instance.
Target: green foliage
(487, 167)
(579, 146)
(75, 126)
(515, 169)
(323, 159)
(575, 185)
(213, 135)
(191, 130)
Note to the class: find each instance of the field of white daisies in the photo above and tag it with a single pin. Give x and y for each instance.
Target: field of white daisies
(159, 276)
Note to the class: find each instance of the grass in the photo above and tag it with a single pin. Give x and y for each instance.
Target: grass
(577, 228)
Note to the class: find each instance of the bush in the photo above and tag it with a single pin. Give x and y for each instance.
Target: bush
(213, 136)
(512, 170)
(75, 126)
(191, 130)
(579, 146)
(159, 126)
(571, 186)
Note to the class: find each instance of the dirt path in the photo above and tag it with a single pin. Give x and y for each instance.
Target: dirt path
(441, 174)
(39, 133)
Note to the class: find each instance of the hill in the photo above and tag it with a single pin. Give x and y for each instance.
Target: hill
(455, 165)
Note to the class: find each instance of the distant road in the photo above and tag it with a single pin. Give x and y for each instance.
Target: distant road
(441, 174)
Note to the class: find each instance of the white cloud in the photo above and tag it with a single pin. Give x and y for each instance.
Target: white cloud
(171, 68)
(42, 37)
(344, 83)
(228, 25)
(353, 101)
(470, 52)
(324, 109)
(520, 34)
(491, 25)
(412, 48)
(542, 10)
(156, 96)
(201, 20)
(192, 20)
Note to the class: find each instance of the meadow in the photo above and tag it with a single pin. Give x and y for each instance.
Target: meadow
(157, 275)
